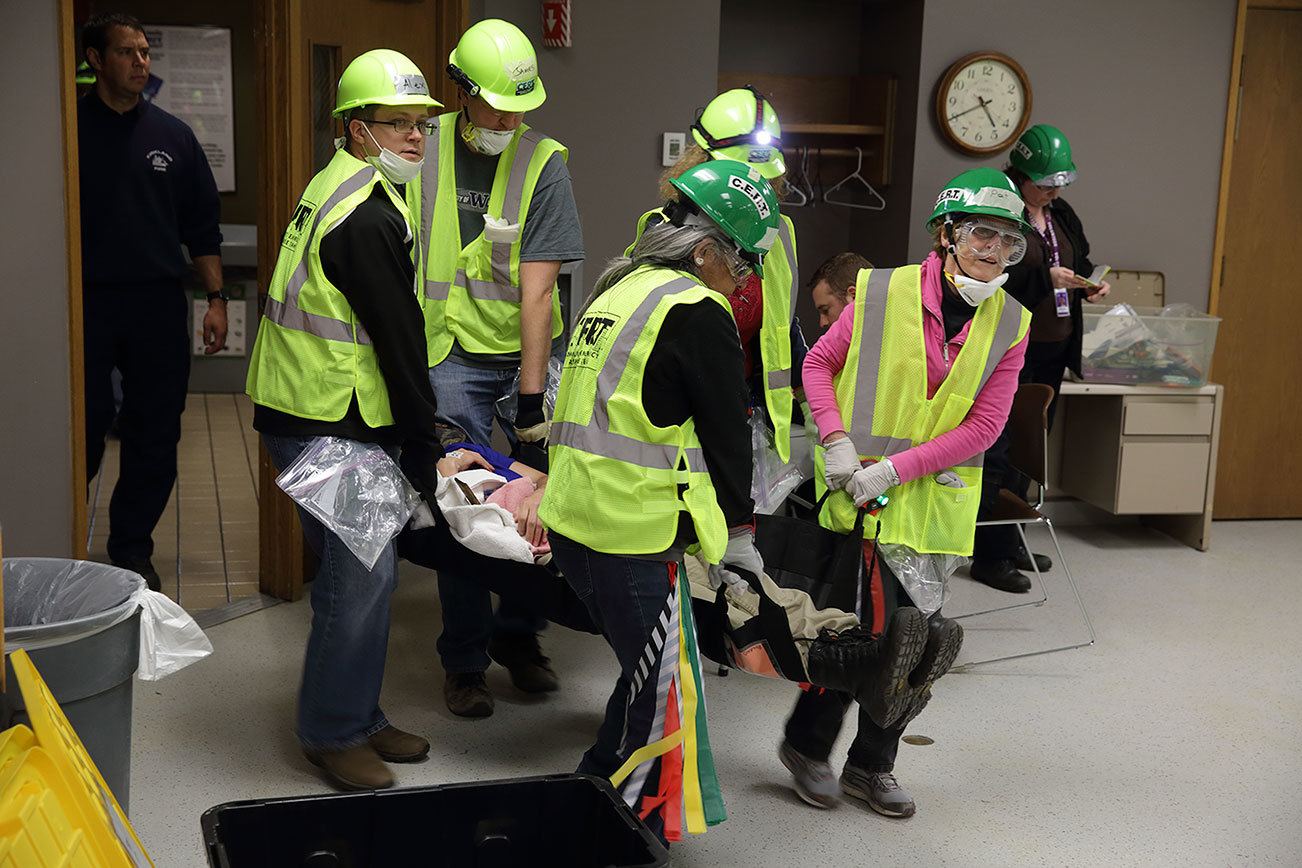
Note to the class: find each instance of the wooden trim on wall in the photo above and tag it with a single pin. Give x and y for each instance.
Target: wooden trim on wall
(1227, 155)
(281, 547)
(72, 239)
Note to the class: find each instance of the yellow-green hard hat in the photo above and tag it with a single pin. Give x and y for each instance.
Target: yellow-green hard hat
(736, 197)
(495, 60)
(382, 76)
(740, 124)
(85, 75)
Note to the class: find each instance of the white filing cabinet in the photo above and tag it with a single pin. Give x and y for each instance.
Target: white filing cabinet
(1143, 450)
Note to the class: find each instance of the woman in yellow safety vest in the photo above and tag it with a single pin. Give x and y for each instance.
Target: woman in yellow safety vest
(908, 388)
(650, 455)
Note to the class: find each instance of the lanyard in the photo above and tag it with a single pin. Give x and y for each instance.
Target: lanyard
(1050, 238)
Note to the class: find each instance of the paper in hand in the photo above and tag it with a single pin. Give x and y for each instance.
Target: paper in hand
(1096, 276)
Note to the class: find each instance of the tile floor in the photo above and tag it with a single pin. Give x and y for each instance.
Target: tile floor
(206, 544)
(1175, 740)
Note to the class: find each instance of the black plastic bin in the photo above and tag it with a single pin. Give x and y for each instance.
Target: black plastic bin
(572, 820)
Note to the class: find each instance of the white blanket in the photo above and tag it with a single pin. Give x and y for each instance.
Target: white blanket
(485, 528)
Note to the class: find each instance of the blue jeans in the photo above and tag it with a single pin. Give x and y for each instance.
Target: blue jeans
(468, 397)
(625, 597)
(339, 699)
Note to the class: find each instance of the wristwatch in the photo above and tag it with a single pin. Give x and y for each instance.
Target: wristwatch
(221, 293)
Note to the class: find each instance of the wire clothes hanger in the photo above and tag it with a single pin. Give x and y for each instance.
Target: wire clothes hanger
(856, 175)
(797, 197)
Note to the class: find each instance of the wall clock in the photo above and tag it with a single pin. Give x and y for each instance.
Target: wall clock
(983, 103)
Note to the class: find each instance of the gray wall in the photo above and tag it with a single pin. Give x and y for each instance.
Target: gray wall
(1140, 90)
(35, 399)
(636, 70)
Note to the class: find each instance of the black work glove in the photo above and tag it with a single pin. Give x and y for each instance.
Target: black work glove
(530, 421)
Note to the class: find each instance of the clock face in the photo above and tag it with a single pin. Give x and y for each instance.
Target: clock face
(985, 105)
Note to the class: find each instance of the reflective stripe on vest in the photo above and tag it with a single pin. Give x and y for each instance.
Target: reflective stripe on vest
(288, 314)
(596, 437)
(870, 352)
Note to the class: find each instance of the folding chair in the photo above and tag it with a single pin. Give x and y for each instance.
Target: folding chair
(1028, 452)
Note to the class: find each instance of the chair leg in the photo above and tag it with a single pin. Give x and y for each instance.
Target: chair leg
(1044, 590)
(1089, 625)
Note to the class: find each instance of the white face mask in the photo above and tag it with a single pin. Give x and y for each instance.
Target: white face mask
(490, 143)
(975, 291)
(392, 166)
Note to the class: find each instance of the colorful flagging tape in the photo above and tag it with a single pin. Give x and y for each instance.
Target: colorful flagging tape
(687, 792)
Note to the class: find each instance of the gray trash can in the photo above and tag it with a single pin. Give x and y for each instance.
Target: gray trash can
(79, 624)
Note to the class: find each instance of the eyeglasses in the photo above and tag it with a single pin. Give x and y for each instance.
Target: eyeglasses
(403, 126)
(738, 266)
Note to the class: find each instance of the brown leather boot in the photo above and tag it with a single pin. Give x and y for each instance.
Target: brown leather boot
(395, 746)
(467, 694)
(354, 768)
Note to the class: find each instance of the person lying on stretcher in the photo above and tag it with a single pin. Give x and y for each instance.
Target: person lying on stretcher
(753, 623)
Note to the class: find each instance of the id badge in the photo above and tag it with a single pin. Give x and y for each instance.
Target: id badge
(1062, 301)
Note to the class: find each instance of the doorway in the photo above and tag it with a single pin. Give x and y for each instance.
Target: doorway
(229, 533)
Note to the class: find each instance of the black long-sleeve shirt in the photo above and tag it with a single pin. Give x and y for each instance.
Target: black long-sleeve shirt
(696, 370)
(368, 258)
(146, 189)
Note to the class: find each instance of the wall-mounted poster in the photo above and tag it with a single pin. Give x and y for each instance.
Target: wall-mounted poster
(194, 65)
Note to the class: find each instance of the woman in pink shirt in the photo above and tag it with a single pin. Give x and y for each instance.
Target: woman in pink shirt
(977, 230)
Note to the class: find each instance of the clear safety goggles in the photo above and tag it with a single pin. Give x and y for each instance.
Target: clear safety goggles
(1057, 179)
(739, 265)
(984, 236)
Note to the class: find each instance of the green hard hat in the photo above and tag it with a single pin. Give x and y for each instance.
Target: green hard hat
(980, 191)
(382, 77)
(495, 60)
(1043, 154)
(740, 124)
(737, 198)
(85, 75)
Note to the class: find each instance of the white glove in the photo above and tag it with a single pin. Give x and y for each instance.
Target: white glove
(840, 462)
(872, 481)
(950, 479)
(496, 229)
(741, 553)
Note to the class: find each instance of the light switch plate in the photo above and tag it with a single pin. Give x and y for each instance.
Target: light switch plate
(672, 148)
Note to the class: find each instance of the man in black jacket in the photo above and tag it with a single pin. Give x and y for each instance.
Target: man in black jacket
(146, 189)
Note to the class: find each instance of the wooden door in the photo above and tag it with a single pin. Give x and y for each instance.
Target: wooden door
(289, 33)
(1258, 358)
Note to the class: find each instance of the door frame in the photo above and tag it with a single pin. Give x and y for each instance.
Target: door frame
(284, 169)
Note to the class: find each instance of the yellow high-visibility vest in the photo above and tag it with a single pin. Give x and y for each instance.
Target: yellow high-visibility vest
(312, 355)
(882, 392)
(472, 288)
(615, 477)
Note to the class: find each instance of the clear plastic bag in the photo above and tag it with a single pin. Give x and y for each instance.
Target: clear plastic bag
(924, 576)
(355, 489)
(506, 403)
(772, 480)
(51, 601)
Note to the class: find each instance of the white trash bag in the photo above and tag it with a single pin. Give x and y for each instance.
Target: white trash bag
(355, 489)
(52, 601)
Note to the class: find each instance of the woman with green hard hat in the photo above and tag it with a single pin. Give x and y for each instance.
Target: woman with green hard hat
(650, 454)
(1050, 281)
(741, 124)
(907, 389)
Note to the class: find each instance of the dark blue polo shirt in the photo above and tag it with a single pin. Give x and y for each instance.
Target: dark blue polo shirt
(146, 189)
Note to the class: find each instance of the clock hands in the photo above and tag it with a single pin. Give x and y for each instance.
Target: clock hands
(974, 108)
(993, 125)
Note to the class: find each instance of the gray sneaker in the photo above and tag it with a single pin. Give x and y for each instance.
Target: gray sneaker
(880, 790)
(813, 780)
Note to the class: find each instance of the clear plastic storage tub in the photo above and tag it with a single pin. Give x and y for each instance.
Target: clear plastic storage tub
(1149, 346)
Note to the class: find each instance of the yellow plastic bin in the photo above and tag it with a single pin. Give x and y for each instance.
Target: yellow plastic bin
(55, 808)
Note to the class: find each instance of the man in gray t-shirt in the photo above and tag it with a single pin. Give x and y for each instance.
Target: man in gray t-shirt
(496, 72)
